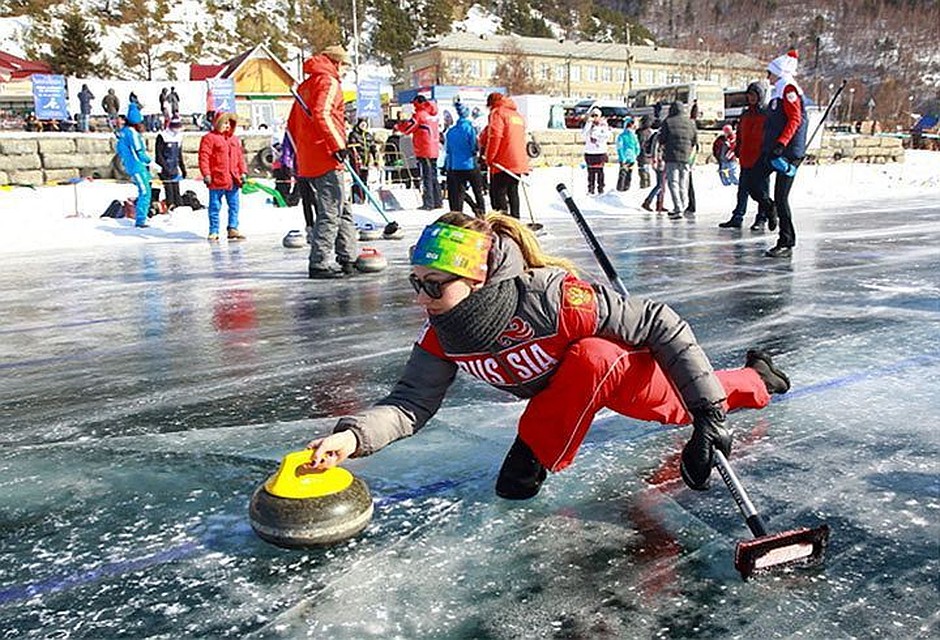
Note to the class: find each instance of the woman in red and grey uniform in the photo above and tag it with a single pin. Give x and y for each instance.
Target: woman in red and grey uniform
(521, 321)
(784, 145)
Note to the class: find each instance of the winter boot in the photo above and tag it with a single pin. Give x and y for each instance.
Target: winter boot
(772, 218)
(234, 235)
(733, 223)
(774, 379)
(521, 475)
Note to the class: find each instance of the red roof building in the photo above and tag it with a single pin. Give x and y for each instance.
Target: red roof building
(15, 68)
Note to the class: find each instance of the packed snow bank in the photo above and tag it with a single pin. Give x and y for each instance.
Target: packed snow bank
(67, 216)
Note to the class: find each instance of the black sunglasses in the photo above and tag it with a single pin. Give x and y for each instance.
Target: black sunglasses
(434, 288)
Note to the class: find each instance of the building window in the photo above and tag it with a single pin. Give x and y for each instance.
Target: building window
(559, 72)
(576, 73)
(607, 74)
(490, 69)
(473, 68)
(591, 73)
(545, 71)
(621, 75)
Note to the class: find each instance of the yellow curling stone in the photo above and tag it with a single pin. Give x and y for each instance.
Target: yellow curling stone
(299, 510)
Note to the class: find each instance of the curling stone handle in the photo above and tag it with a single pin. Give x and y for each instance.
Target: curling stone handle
(754, 522)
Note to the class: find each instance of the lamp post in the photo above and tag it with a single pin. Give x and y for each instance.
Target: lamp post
(355, 56)
(851, 99)
(568, 75)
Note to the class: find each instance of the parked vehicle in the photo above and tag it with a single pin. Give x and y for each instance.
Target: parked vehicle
(613, 112)
(708, 95)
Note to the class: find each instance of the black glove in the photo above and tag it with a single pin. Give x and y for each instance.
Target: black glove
(778, 150)
(207, 180)
(521, 475)
(709, 431)
(341, 155)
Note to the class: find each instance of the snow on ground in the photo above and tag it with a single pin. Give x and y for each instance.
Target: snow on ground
(66, 216)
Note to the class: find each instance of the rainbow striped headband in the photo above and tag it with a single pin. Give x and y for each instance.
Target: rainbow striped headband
(462, 252)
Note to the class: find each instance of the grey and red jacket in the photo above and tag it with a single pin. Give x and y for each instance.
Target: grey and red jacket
(553, 311)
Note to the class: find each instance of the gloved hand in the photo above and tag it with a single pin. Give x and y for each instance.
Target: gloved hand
(341, 155)
(521, 475)
(709, 430)
(778, 150)
(207, 180)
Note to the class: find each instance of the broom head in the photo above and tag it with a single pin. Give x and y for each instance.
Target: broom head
(778, 551)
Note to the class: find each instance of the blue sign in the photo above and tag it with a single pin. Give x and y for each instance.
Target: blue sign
(222, 95)
(369, 100)
(49, 97)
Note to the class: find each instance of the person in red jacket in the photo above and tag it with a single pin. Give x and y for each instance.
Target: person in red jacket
(317, 130)
(505, 153)
(500, 309)
(425, 134)
(222, 164)
(747, 148)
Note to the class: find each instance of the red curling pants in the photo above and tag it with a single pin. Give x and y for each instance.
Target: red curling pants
(596, 373)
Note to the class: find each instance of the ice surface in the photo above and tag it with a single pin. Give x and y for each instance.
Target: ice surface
(148, 384)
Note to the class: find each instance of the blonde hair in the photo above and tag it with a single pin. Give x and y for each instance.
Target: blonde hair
(501, 224)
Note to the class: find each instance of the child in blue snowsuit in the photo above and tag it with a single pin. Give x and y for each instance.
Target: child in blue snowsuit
(628, 149)
(133, 153)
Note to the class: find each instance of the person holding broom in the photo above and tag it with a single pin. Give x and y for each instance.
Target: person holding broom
(501, 310)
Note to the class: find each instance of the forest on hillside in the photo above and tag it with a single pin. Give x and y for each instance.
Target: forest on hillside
(885, 49)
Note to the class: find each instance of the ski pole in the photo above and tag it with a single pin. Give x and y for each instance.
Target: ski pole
(825, 115)
(536, 226)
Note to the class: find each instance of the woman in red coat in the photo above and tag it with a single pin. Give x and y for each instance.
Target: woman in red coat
(222, 164)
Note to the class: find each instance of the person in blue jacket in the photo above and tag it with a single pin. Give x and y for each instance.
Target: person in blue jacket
(628, 149)
(133, 153)
(460, 163)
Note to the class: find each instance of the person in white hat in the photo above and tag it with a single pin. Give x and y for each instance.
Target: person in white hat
(784, 146)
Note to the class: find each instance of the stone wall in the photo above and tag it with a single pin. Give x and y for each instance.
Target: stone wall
(566, 147)
(41, 158)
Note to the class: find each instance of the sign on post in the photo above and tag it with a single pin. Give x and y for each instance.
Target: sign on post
(369, 100)
(49, 98)
(221, 95)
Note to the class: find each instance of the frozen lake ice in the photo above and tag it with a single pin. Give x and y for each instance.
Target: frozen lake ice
(148, 389)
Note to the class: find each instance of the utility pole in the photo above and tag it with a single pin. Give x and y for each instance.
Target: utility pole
(355, 56)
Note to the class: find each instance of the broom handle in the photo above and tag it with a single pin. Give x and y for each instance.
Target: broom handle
(754, 522)
(599, 254)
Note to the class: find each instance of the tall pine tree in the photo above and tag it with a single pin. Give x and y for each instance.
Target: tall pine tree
(396, 34)
(74, 50)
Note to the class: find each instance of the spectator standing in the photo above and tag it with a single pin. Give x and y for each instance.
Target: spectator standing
(723, 151)
(753, 181)
(133, 153)
(596, 134)
(643, 134)
(424, 131)
(784, 145)
(85, 96)
(111, 105)
(165, 107)
(678, 137)
(654, 150)
(168, 150)
(317, 132)
(173, 99)
(460, 162)
(504, 140)
(222, 164)
(363, 152)
(628, 151)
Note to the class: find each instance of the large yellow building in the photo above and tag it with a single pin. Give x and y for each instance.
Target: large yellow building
(576, 69)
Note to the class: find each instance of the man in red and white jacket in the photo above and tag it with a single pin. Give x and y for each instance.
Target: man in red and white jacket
(425, 134)
(317, 131)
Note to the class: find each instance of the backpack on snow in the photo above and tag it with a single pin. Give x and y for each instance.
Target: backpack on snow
(114, 210)
(189, 199)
